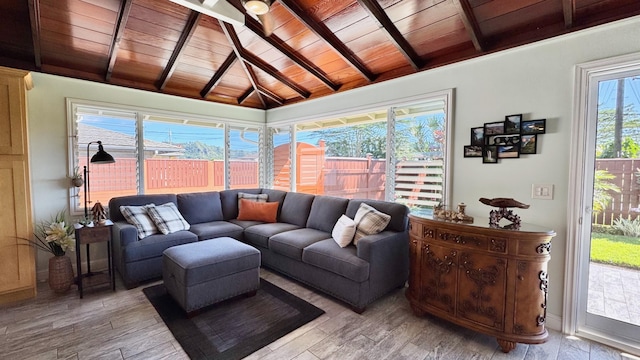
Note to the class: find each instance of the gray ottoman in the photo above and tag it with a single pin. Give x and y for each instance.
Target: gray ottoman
(206, 272)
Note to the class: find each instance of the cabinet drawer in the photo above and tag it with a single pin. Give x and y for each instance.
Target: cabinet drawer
(88, 235)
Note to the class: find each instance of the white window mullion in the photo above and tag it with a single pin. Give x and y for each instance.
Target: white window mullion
(267, 157)
(390, 183)
(140, 152)
(227, 148)
(293, 153)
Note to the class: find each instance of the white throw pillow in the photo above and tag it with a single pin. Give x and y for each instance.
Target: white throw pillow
(369, 221)
(138, 217)
(167, 218)
(343, 231)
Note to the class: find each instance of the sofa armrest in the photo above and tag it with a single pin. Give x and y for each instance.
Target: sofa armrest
(388, 257)
(123, 234)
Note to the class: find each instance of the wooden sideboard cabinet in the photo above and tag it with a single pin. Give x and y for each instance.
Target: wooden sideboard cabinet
(490, 280)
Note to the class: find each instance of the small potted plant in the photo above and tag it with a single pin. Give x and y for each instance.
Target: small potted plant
(76, 178)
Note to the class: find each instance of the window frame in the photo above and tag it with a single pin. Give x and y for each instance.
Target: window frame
(76, 208)
(447, 96)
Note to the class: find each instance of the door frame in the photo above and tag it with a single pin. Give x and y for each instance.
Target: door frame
(581, 163)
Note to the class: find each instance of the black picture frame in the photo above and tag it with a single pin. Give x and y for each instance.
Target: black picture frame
(533, 127)
(494, 128)
(512, 124)
(471, 151)
(528, 144)
(503, 139)
(508, 151)
(477, 136)
(490, 155)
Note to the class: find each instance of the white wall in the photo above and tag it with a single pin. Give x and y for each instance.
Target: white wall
(535, 80)
(48, 136)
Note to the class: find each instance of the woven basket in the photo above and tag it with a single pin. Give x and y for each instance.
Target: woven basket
(60, 274)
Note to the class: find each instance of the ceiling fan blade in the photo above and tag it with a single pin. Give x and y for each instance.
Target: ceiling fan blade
(267, 23)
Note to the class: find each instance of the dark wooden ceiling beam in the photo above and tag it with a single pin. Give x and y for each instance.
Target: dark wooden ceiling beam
(471, 24)
(273, 72)
(217, 77)
(121, 23)
(377, 13)
(232, 37)
(568, 9)
(34, 15)
(325, 34)
(270, 94)
(289, 52)
(187, 33)
(250, 91)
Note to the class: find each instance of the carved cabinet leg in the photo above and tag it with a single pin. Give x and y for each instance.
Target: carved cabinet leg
(506, 345)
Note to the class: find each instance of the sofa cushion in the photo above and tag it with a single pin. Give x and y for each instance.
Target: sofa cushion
(369, 221)
(259, 234)
(343, 231)
(295, 208)
(245, 223)
(138, 217)
(291, 243)
(215, 229)
(136, 200)
(325, 212)
(229, 200)
(275, 195)
(398, 212)
(327, 255)
(167, 218)
(258, 211)
(152, 246)
(200, 207)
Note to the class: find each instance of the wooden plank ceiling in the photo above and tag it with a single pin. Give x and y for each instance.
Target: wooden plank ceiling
(318, 47)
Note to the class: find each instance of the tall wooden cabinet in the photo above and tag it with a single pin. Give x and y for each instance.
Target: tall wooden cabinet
(17, 259)
(490, 280)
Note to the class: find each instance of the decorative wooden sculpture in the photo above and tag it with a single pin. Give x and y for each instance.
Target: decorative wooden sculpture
(503, 204)
(99, 213)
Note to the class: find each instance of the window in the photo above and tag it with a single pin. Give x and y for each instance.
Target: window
(398, 153)
(117, 131)
(279, 150)
(158, 153)
(244, 157)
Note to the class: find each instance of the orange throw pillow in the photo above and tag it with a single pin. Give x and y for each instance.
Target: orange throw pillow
(257, 211)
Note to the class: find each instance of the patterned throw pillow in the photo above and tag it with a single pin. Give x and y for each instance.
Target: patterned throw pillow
(343, 231)
(369, 221)
(252, 197)
(167, 218)
(138, 217)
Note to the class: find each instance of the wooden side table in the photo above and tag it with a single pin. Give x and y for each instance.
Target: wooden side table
(90, 235)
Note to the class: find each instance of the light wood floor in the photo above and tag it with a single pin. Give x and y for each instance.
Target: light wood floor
(123, 325)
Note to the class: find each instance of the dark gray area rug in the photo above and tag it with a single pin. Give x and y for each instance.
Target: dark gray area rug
(234, 328)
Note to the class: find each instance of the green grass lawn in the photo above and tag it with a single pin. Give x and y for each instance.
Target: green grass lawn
(615, 250)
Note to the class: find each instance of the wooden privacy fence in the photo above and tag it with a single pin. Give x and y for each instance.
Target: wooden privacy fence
(354, 177)
(418, 183)
(622, 203)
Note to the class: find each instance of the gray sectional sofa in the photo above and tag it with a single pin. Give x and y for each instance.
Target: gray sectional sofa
(298, 245)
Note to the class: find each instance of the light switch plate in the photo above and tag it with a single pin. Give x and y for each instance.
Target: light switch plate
(542, 191)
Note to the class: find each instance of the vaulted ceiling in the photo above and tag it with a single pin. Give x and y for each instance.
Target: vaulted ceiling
(318, 47)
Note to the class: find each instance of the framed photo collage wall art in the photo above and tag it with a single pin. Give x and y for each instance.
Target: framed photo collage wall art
(506, 139)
